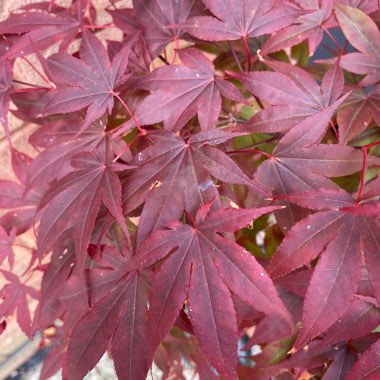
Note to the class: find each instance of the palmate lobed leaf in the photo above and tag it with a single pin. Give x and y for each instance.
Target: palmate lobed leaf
(293, 95)
(299, 149)
(309, 25)
(202, 271)
(118, 317)
(156, 17)
(240, 19)
(180, 92)
(89, 82)
(362, 32)
(42, 25)
(14, 300)
(336, 277)
(79, 193)
(173, 175)
(356, 113)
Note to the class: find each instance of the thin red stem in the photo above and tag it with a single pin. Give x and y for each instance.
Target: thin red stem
(333, 40)
(372, 144)
(30, 84)
(27, 90)
(127, 147)
(362, 177)
(42, 76)
(142, 130)
(175, 50)
(248, 52)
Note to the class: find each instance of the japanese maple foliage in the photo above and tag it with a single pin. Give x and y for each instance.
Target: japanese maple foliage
(202, 186)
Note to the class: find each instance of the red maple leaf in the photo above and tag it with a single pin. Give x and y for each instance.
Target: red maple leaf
(204, 269)
(73, 202)
(14, 296)
(338, 235)
(91, 81)
(117, 316)
(362, 32)
(181, 91)
(316, 17)
(42, 25)
(160, 171)
(292, 93)
(154, 19)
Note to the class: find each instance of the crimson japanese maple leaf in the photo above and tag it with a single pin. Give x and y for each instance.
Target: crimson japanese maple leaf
(317, 16)
(153, 18)
(362, 32)
(339, 235)
(73, 202)
(180, 92)
(174, 174)
(117, 318)
(240, 19)
(91, 81)
(356, 113)
(300, 162)
(202, 271)
(42, 25)
(292, 93)
(14, 296)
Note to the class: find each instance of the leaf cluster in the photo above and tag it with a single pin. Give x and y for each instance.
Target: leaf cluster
(204, 187)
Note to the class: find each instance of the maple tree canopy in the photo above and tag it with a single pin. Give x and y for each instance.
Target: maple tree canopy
(202, 181)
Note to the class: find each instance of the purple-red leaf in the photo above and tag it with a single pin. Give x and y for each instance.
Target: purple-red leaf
(14, 295)
(315, 16)
(179, 92)
(89, 82)
(333, 284)
(73, 203)
(240, 19)
(173, 175)
(203, 270)
(362, 32)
